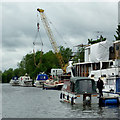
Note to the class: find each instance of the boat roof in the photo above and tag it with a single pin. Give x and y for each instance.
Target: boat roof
(84, 63)
(74, 79)
(42, 77)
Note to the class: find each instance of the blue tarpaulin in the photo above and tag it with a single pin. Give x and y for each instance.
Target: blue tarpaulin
(15, 78)
(42, 77)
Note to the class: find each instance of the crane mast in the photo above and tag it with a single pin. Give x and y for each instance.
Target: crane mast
(51, 38)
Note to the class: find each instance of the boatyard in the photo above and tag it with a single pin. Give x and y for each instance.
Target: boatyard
(53, 80)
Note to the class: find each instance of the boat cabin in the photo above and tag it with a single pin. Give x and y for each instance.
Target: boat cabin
(80, 85)
(14, 78)
(42, 77)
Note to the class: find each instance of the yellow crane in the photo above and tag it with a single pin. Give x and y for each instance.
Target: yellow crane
(51, 38)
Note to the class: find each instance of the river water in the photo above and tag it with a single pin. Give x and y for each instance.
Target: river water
(32, 102)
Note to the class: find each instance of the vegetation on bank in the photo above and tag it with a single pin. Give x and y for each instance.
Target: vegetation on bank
(27, 65)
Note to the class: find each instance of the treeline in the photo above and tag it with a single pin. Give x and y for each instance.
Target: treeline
(47, 61)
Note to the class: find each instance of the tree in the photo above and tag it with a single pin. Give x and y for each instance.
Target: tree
(26, 65)
(80, 54)
(118, 33)
(66, 54)
(7, 75)
(0, 76)
(100, 39)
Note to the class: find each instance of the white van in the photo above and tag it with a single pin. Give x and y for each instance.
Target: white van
(56, 72)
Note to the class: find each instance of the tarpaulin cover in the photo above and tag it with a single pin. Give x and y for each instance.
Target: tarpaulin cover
(42, 77)
(98, 52)
(15, 78)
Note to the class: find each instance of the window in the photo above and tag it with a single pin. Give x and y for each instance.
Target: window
(117, 47)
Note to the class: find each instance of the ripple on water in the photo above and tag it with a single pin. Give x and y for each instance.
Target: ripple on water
(31, 102)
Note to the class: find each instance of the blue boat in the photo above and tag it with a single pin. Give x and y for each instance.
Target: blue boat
(14, 81)
(41, 78)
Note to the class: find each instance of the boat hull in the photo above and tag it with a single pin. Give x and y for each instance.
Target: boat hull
(53, 87)
(78, 98)
(111, 95)
(39, 84)
(26, 84)
(14, 83)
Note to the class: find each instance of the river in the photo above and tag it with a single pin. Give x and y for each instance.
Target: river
(32, 102)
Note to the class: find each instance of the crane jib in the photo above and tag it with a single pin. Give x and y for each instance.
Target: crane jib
(51, 38)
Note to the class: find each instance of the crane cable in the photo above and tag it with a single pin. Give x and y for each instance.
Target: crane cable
(59, 34)
(34, 43)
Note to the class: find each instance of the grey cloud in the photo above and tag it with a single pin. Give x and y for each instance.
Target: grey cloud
(75, 22)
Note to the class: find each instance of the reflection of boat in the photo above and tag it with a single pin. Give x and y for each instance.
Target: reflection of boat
(25, 81)
(79, 90)
(14, 81)
(41, 78)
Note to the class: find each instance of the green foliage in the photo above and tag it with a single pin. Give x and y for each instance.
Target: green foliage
(7, 75)
(66, 53)
(90, 41)
(26, 65)
(118, 33)
(0, 76)
(80, 54)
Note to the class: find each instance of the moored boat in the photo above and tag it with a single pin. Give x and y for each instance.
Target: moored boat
(14, 81)
(54, 85)
(102, 60)
(112, 87)
(25, 81)
(79, 90)
(41, 78)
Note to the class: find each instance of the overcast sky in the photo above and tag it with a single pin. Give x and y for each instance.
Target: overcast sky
(72, 23)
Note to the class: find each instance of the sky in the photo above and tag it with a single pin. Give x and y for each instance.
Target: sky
(72, 23)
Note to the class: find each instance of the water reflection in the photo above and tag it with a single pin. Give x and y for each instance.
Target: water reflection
(94, 111)
(31, 102)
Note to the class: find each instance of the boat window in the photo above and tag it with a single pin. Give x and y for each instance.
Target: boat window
(111, 63)
(104, 75)
(117, 47)
(92, 75)
(105, 65)
(110, 82)
(42, 77)
(96, 66)
(84, 86)
(65, 86)
(72, 86)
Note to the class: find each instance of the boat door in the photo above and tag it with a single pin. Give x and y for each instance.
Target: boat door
(117, 84)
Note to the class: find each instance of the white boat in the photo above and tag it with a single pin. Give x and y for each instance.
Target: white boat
(54, 85)
(25, 81)
(40, 80)
(102, 60)
(79, 90)
(14, 81)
